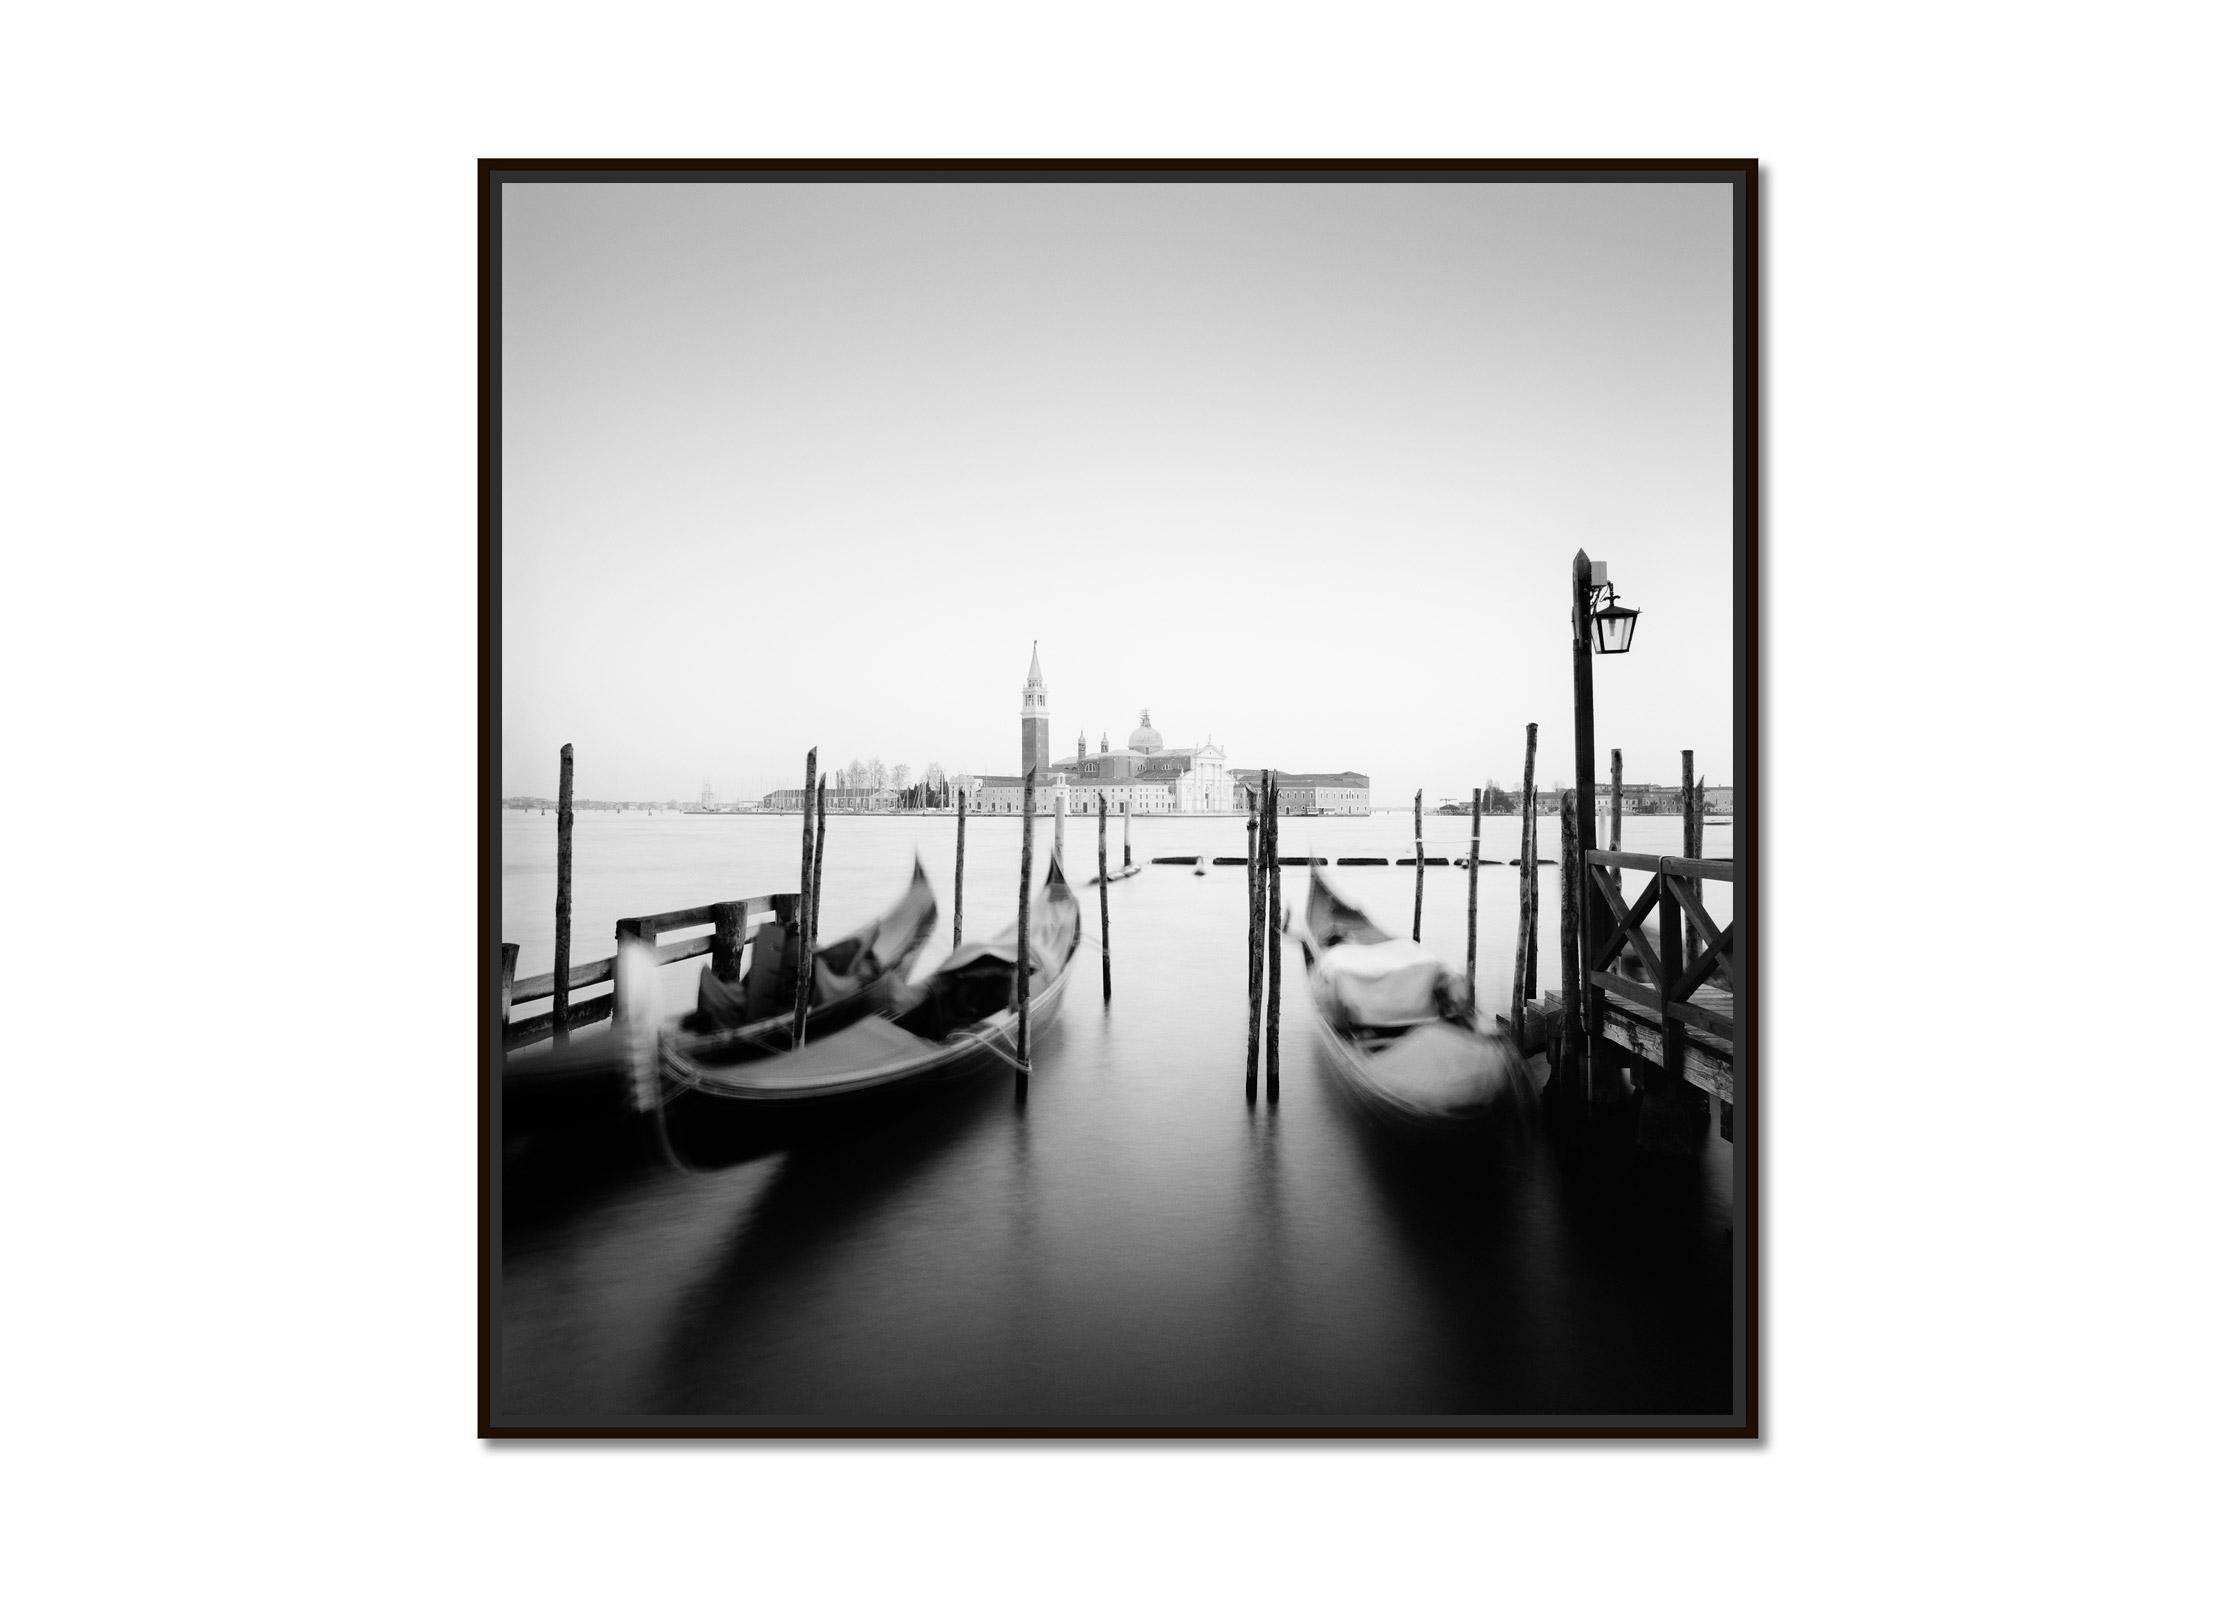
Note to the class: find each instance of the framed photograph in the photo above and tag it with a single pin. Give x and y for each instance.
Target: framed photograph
(1119, 798)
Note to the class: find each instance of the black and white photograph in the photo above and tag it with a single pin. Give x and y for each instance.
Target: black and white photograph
(1118, 799)
(1213, 800)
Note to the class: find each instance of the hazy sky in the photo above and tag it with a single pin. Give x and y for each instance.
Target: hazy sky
(1299, 466)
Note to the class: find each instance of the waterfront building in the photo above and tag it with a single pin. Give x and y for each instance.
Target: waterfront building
(834, 799)
(1325, 794)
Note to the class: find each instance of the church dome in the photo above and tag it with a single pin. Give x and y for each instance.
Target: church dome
(1145, 740)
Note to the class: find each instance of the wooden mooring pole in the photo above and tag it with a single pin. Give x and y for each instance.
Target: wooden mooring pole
(801, 911)
(562, 909)
(1618, 812)
(1470, 960)
(1416, 933)
(1574, 1067)
(1104, 903)
(1272, 919)
(1691, 845)
(1127, 834)
(1026, 894)
(816, 879)
(1525, 985)
(1255, 886)
(956, 914)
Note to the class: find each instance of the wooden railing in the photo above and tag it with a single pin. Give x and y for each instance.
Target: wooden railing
(725, 943)
(1679, 1010)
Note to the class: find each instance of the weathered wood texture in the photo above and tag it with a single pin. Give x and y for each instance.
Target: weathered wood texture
(562, 912)
(956, 912)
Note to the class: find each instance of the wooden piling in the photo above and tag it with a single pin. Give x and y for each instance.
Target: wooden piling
(816, 874)
(1417, 932)
(1470, 960)
(1532, 860)
(956, 914)
(1058, 828)
(1691, 846)
(562, 900)
(1618, 811)
(1272, 920)
(1525, 985)
(1104, 902)
(1026, 893)
(801, 910)
(1255, 887)
(1127, 834)
(1575, 1065)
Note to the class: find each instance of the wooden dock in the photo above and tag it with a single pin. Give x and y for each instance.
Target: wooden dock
(1649, 996)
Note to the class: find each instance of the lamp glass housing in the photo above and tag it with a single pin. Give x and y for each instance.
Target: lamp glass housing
(1613, 629)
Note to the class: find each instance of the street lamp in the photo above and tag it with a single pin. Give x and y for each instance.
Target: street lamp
(1613, 625)
(1599, 626)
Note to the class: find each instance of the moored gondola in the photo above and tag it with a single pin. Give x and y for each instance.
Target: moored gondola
(962, 1017)
(1395, 1025)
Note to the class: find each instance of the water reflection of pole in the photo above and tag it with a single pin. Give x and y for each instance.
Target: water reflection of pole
(561, 911)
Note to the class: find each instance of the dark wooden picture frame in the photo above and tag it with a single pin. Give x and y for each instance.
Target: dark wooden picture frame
(1659, 1015)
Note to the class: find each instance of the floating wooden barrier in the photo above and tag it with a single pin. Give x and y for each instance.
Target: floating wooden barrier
(1434, 861)
(1174, 861)
(1233, 861)
(1365, 861)
(1302, 861)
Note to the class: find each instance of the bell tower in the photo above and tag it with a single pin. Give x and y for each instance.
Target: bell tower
(1034, 721)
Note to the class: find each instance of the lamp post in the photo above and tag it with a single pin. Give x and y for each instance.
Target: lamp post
(1599, 626)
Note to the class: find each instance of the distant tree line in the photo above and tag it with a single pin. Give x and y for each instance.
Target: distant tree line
(929, 792)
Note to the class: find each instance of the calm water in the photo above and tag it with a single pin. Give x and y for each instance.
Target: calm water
(1135, 1243)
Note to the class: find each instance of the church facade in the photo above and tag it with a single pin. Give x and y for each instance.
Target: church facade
(1147, 776)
